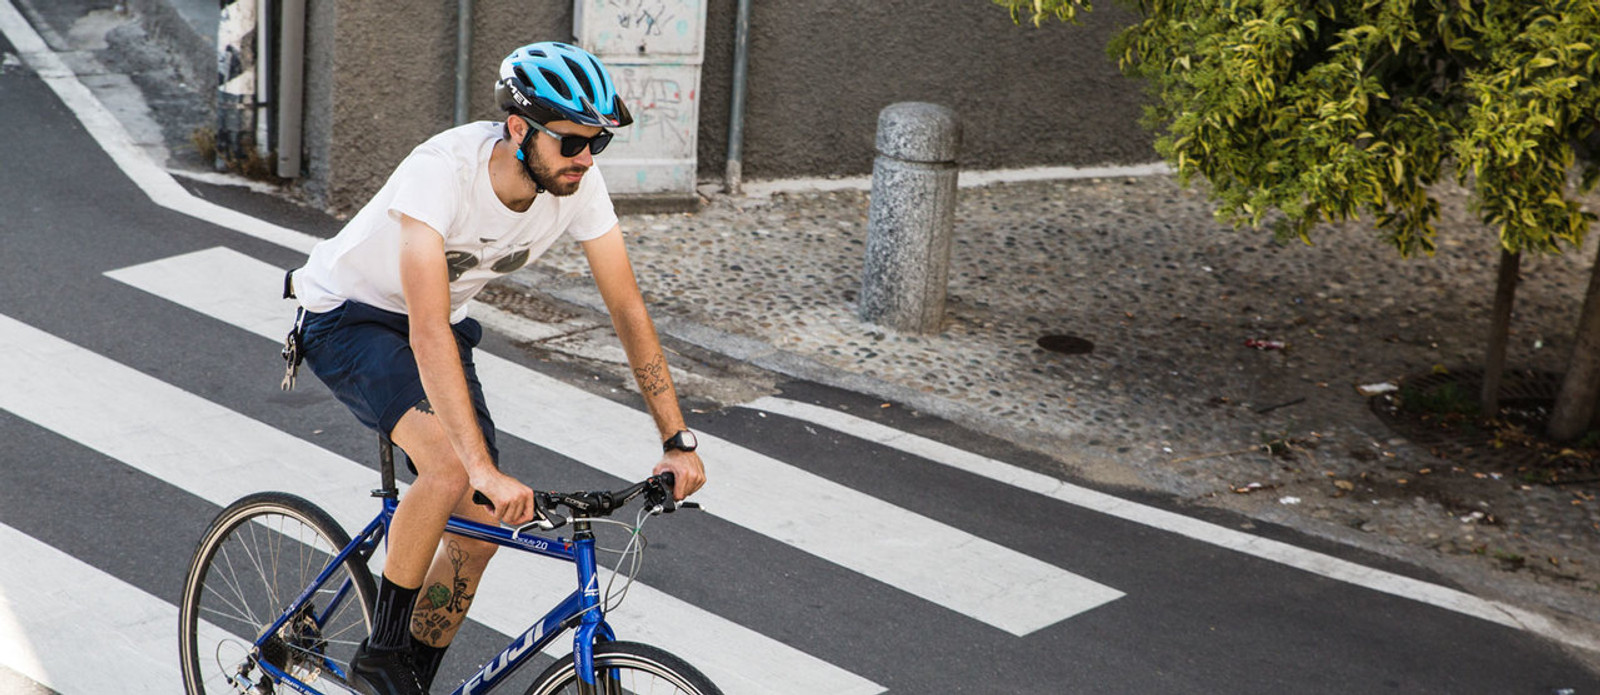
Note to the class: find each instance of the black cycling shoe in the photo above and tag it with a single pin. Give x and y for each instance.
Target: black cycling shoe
(384, 672)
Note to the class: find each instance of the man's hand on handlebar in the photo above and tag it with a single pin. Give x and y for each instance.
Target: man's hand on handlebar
(686, 467)
(513, 502)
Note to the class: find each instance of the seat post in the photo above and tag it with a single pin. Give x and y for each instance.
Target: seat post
(386, 468)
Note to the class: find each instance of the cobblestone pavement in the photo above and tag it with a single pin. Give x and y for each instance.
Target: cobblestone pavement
(1171, 398)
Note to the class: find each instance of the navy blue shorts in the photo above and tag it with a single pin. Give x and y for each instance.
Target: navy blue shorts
(363, 354)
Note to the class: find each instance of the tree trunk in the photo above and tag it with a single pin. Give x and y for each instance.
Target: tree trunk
(1505, 294)
(1575, 406)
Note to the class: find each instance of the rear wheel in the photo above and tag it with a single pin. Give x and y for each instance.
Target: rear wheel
(258, 556)
(626, 667)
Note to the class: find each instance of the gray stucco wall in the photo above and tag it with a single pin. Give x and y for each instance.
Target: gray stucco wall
(381, 79)
(821, 70)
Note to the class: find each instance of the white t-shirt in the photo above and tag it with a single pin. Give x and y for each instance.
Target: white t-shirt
(444, 183)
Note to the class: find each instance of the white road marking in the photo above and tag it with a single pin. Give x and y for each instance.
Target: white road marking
(1266, 549)
(59, 614)
(220, 455)
(945, 565)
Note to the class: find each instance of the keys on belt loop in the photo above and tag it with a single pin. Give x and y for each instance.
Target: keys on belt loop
(292, 353)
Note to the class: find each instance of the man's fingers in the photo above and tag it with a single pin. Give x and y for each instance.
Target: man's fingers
(686, 485)
(686, 479)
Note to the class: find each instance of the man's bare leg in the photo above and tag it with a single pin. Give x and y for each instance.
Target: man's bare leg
(446, 572)
(452, 581)
(419, 519)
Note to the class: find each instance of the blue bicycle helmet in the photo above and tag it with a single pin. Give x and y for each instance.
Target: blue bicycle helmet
(550, 81)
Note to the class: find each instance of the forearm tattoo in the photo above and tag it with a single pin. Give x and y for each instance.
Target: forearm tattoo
(653, 377)
(442, 607)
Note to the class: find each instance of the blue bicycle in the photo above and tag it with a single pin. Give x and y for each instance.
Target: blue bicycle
(278, 596)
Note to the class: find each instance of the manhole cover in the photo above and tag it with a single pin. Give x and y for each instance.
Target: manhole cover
(1066, 344)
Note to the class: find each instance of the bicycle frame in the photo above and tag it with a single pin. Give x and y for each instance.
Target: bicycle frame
(581, 608)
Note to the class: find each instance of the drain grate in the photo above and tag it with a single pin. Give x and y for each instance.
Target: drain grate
(1066, 344)
(1525, 401)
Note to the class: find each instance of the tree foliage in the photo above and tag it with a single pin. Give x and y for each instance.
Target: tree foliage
(1334, 109)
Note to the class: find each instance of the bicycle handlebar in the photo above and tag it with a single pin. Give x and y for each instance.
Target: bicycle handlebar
(657, 490)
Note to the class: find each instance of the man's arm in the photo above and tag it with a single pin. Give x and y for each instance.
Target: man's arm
(613, 275)
(424, 278)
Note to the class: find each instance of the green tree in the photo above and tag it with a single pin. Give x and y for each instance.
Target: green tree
(1333, 110)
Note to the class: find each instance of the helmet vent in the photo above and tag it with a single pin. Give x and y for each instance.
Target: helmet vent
(559, 84)
(597, 69)
(583, 77)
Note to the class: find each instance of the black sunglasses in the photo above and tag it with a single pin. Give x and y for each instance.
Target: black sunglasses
(571, 145)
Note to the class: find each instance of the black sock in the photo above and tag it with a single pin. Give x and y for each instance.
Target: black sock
(427, 658)
(391, 617)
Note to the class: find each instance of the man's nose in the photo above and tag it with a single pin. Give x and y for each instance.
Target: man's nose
(584, 158)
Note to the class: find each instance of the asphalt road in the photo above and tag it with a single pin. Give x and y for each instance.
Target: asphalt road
(1078, 599)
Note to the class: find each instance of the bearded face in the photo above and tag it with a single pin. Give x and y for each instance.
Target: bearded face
(558, 182)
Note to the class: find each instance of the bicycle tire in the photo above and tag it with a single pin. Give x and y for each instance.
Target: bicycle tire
(256, 557)
(621, 659)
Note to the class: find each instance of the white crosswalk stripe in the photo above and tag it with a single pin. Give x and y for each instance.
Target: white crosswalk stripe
(939, 563)
(172, 435)
(55, 609)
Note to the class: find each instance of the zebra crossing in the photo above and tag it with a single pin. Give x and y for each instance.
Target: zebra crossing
(172, 435)
(942, 564)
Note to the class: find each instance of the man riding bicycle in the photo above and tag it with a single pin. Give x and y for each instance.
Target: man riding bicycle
(384, 325)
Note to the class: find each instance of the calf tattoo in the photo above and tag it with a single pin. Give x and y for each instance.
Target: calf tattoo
(653, 377)
(442, 607)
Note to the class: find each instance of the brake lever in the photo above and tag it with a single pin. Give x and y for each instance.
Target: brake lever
(549, 522)
(545, 519)
(671, 506)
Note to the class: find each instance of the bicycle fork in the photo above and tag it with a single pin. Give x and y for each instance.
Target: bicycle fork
(592, 620)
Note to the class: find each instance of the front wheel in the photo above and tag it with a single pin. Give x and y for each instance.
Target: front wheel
(257, 557)
(626, 667)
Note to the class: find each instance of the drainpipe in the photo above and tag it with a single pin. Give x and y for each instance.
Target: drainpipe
(741, 54)
(264, 64)
(463, 58)
(290, 104)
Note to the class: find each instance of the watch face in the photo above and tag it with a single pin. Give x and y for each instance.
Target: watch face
(682, 441)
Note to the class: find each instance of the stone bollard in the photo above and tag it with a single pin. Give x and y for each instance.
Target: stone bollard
(913, 210)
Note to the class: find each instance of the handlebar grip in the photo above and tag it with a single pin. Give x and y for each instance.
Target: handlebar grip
(480, 498)
(668, 480)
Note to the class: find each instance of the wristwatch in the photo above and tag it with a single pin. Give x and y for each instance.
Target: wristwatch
(682, 441)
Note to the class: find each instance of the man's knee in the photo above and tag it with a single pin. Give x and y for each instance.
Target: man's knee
(433, 458)
(449, 481)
